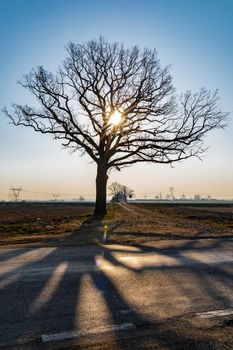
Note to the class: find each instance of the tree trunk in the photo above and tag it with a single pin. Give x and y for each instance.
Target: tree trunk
(101, 195)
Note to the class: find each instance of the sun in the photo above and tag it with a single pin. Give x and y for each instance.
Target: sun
(115, 118)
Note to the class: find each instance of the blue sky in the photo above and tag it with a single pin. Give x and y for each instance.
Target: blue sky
(195, 37)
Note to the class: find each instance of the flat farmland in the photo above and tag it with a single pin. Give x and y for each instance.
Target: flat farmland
(34, 222)
(73, 224)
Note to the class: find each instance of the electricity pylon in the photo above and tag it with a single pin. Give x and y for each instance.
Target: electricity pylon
(16, 193)
(171, 189)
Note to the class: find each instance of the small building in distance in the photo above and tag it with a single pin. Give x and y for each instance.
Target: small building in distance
(119, 197)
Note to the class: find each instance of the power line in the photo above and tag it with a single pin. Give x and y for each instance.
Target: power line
(171, 193)
(57, 193)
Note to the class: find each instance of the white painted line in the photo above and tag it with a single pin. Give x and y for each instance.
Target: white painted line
(74, 334)
(215, 313)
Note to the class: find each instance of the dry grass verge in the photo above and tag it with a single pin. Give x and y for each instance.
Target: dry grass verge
(69, 224)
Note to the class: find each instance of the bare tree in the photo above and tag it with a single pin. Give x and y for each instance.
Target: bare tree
(114, 188)
(128, 192)
(81, 198)
(119, 106)
(120, 191)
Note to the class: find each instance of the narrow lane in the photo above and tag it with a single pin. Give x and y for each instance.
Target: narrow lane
(48, 291)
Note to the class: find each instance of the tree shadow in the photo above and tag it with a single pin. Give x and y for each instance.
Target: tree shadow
(5, 255)
(78, 287)
(128, 236)
(88, 233)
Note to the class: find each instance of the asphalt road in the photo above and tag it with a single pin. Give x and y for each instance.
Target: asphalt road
(53, 294)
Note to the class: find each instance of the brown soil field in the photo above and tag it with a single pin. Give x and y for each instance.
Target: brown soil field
(73, 224)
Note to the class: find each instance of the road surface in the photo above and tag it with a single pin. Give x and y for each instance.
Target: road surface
(54, 294)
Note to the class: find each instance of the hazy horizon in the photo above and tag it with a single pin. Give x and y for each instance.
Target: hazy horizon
(195, 37)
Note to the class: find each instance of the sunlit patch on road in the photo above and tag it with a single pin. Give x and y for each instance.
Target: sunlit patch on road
(49, 289)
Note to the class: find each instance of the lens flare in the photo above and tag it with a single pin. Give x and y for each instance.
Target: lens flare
(115, 118)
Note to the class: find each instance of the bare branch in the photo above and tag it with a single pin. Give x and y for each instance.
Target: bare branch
(98, 78)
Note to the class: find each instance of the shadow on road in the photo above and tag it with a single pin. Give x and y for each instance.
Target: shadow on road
(106, 290)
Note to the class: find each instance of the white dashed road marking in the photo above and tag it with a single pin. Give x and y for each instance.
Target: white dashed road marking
(215, 313)
(74, 334)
